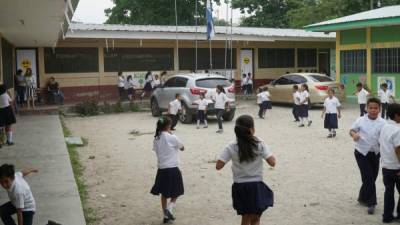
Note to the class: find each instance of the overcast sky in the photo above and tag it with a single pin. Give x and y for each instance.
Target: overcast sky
(92, 11)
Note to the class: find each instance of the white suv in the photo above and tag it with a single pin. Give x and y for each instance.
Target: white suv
(189, 86)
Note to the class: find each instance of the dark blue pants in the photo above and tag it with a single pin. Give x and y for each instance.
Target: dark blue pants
(174, 119)
(21, 94)
(384, 110)
(7, 210)
(390, 180)
(295, 112)
(201, 115)
(362, 109)
(220, 113)
(369, 169)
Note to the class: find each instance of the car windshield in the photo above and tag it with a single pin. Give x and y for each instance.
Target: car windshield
(212, 82)
(319, 78)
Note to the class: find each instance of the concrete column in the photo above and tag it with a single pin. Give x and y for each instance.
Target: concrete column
(1, 63)
(41, 69)
(338, 56)
(176, 60)
(369, 59)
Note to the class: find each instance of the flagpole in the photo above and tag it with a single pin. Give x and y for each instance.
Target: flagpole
(226, 35)
(211, 66)
(196, 22)
(176, 35)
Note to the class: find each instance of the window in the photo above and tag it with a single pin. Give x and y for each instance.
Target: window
(7, 59)
(353, 61)
(276, 57)
(319, 78)
(138, 59)
(181, 82)
(386, 60)
(296, 79)
(212, 83)
(170, 82)
(306, 57)
(71, 60)
(282, 81)
(187, 58)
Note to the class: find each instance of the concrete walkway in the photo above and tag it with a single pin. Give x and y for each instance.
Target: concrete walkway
(39, 142)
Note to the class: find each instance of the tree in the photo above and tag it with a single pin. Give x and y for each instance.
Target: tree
(155, 12)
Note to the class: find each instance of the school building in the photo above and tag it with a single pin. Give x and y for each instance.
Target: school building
(367, 47)
(87, 57)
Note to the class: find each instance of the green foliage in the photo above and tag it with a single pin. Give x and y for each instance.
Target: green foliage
(88, 108)
(106, 108)
(150, 12)
(134, 107)
(118, 108)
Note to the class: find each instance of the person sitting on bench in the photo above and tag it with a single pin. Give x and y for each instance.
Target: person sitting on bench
(54, 90)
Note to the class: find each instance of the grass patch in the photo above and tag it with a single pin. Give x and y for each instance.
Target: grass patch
(89, 213)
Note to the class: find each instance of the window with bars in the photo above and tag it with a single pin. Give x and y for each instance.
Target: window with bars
(187, 58)
(71, 60)
(353, 61)
(276, 57)
(306, 57)
(386, 60)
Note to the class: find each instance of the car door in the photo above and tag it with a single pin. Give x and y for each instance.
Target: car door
(278, 89)
(164, 93)
(294, 80)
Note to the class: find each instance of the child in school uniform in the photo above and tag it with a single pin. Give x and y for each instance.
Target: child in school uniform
(362, 95)
(174, 108)
(265, 102)
(304, 99)
(365, 132)
(250, 195)
(169, 182)
(296, 103)
(202, 111)
(21, 198)
(385, 96)
(389, 141)
(331, 112)
(7, 116)
(220, 103)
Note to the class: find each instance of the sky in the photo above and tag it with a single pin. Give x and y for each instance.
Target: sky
(92, 11)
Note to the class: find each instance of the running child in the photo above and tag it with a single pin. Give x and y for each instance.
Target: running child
(169, 182)
(202, 111)
(389, 141)
(250, 195)
(331, 112)
(365, 132)
(304, 98)
(259, 100)
(362, 95)
(221, 102)
(385, 95)
(7, 116)
(21, 198)
(296, 103)
(174, 108)
(265, 102)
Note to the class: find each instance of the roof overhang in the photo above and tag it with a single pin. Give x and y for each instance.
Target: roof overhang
(354, 25)
(33, 23)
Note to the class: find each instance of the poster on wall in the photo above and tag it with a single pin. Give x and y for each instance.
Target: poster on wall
(390, 81)
(26, 58)
(246, 61)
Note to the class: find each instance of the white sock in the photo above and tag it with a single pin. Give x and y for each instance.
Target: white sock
(198, 122)
(9, 136)
(171, 206)
(302, 120)
(205, 122)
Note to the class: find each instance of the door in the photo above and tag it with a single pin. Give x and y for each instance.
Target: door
(246, 62)
(26, 58)
(323, 63)
(280, 89)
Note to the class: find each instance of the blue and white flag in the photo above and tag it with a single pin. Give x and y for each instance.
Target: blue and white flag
(210, 20)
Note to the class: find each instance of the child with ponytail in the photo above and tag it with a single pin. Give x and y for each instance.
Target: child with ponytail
(251, 196)
(169, 182)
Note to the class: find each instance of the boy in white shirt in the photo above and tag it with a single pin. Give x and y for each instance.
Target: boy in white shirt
(389, 141)
(202, 111)
(332, 112)
(265, 102)
(385, 95)
(296, 103)
(174, 108)
(365, 132)
(362, 95)
(21, 201)
(121, 86)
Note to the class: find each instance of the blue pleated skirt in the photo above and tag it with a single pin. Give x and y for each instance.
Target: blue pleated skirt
(251, 197)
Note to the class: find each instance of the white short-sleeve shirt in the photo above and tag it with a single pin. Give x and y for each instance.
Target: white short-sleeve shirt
(303, 96)
(246, 171)
(167, 147)
(362, 96)
(175, 106)
(296, 98)
(121, 81)
(264, 96)
(5, 100)
(389, 140)
(331, 105)
(202, 104)
(369, 131)
(385, 95)
(20, 194)
(220, 100)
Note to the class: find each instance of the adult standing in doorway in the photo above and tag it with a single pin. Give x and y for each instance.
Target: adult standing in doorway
(121, 86)
(30, 81)
(148, 87)
(20, 86)
(249, 83)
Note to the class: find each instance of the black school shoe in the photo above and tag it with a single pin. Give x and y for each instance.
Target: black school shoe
(309, 123)
(371, 210)
(330, 136)
(10, 143)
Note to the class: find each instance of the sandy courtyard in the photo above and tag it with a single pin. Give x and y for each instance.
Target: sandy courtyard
(316, 180)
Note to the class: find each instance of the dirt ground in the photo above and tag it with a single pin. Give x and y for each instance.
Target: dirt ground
(316, 180)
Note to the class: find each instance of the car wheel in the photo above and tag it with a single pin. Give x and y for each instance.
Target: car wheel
(185, 117)
(155, 109)
(228, 116)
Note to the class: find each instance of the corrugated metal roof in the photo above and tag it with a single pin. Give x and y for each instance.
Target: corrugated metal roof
(251, 31)
(381, 13)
